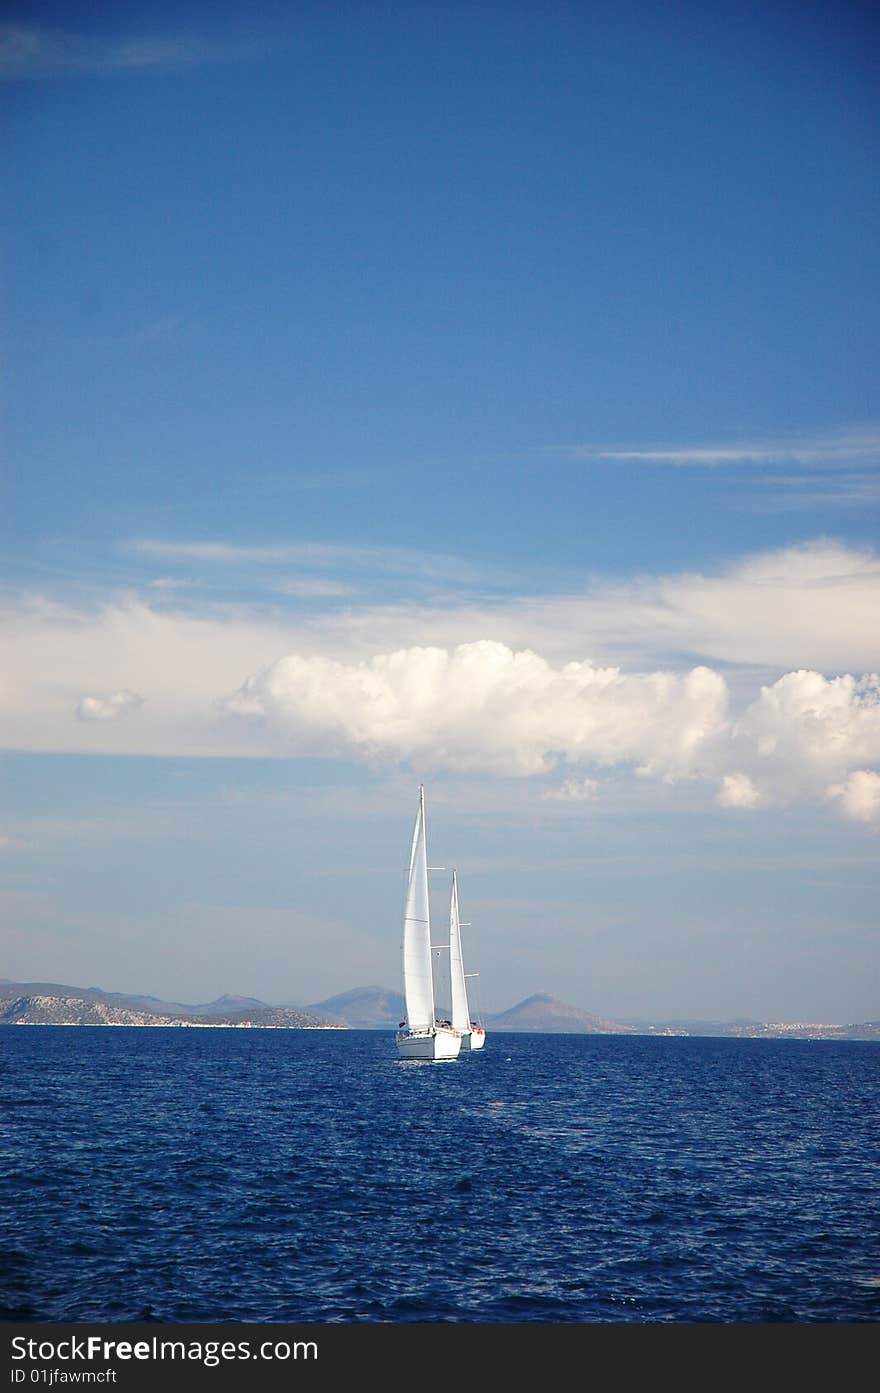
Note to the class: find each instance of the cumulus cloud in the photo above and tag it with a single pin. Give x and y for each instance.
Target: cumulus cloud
(859, 796)
(514, 687)
(806, 728)
(737, 791)
(108, 708)
(485, 706)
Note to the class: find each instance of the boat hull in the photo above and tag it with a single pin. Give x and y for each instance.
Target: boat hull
(428, 1044)
(474, 1040)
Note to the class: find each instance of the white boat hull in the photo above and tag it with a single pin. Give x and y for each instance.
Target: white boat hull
(473, 1040)
(429, 1044)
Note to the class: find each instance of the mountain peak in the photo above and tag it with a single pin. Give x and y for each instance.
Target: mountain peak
(545, 1013)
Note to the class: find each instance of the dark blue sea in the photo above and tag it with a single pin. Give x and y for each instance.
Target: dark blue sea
(298, 1176)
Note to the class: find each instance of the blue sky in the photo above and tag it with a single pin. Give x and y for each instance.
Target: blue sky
(482, 396)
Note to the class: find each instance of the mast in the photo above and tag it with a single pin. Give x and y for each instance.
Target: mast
(460, 1014)
(418, 979)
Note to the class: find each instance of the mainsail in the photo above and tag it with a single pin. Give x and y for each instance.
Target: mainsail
(418, 980)
(460, 1018)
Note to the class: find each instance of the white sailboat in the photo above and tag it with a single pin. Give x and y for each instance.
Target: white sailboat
(421, 1036)
(473, 1036)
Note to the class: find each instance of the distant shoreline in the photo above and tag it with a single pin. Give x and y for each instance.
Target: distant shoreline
(170, 1025)
(375, 1008)
(782, 1036)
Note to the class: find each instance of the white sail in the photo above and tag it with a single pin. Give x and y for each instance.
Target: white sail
(418, 981)
(460, 1016)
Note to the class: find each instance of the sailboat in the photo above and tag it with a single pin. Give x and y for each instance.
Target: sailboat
(473, 1036)
(421, 1035)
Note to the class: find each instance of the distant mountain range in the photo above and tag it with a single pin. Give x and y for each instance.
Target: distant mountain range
(363, 1008)
(50, 1003)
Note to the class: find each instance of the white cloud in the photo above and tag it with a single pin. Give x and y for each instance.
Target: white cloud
(180, 663)
(397, 561)
(819, 563)
(797, 735)
(859, 796)
(810, 605)
(813, 724)
(516, 687)
(813, 605)
(108, 708)
(27, 51)
(484, 706)
(221, 552)
(313, 589)
(737, 791)
(818, 489)
(574, 791)
(843, 446)
(837, 469)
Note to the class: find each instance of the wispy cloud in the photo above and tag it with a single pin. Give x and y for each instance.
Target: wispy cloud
(817, 490)
(842, 447)
(314, 589)
(167, 583)
(315, 556)
(29, 51)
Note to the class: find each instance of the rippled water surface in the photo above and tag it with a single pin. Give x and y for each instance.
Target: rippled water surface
(276, 1175)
